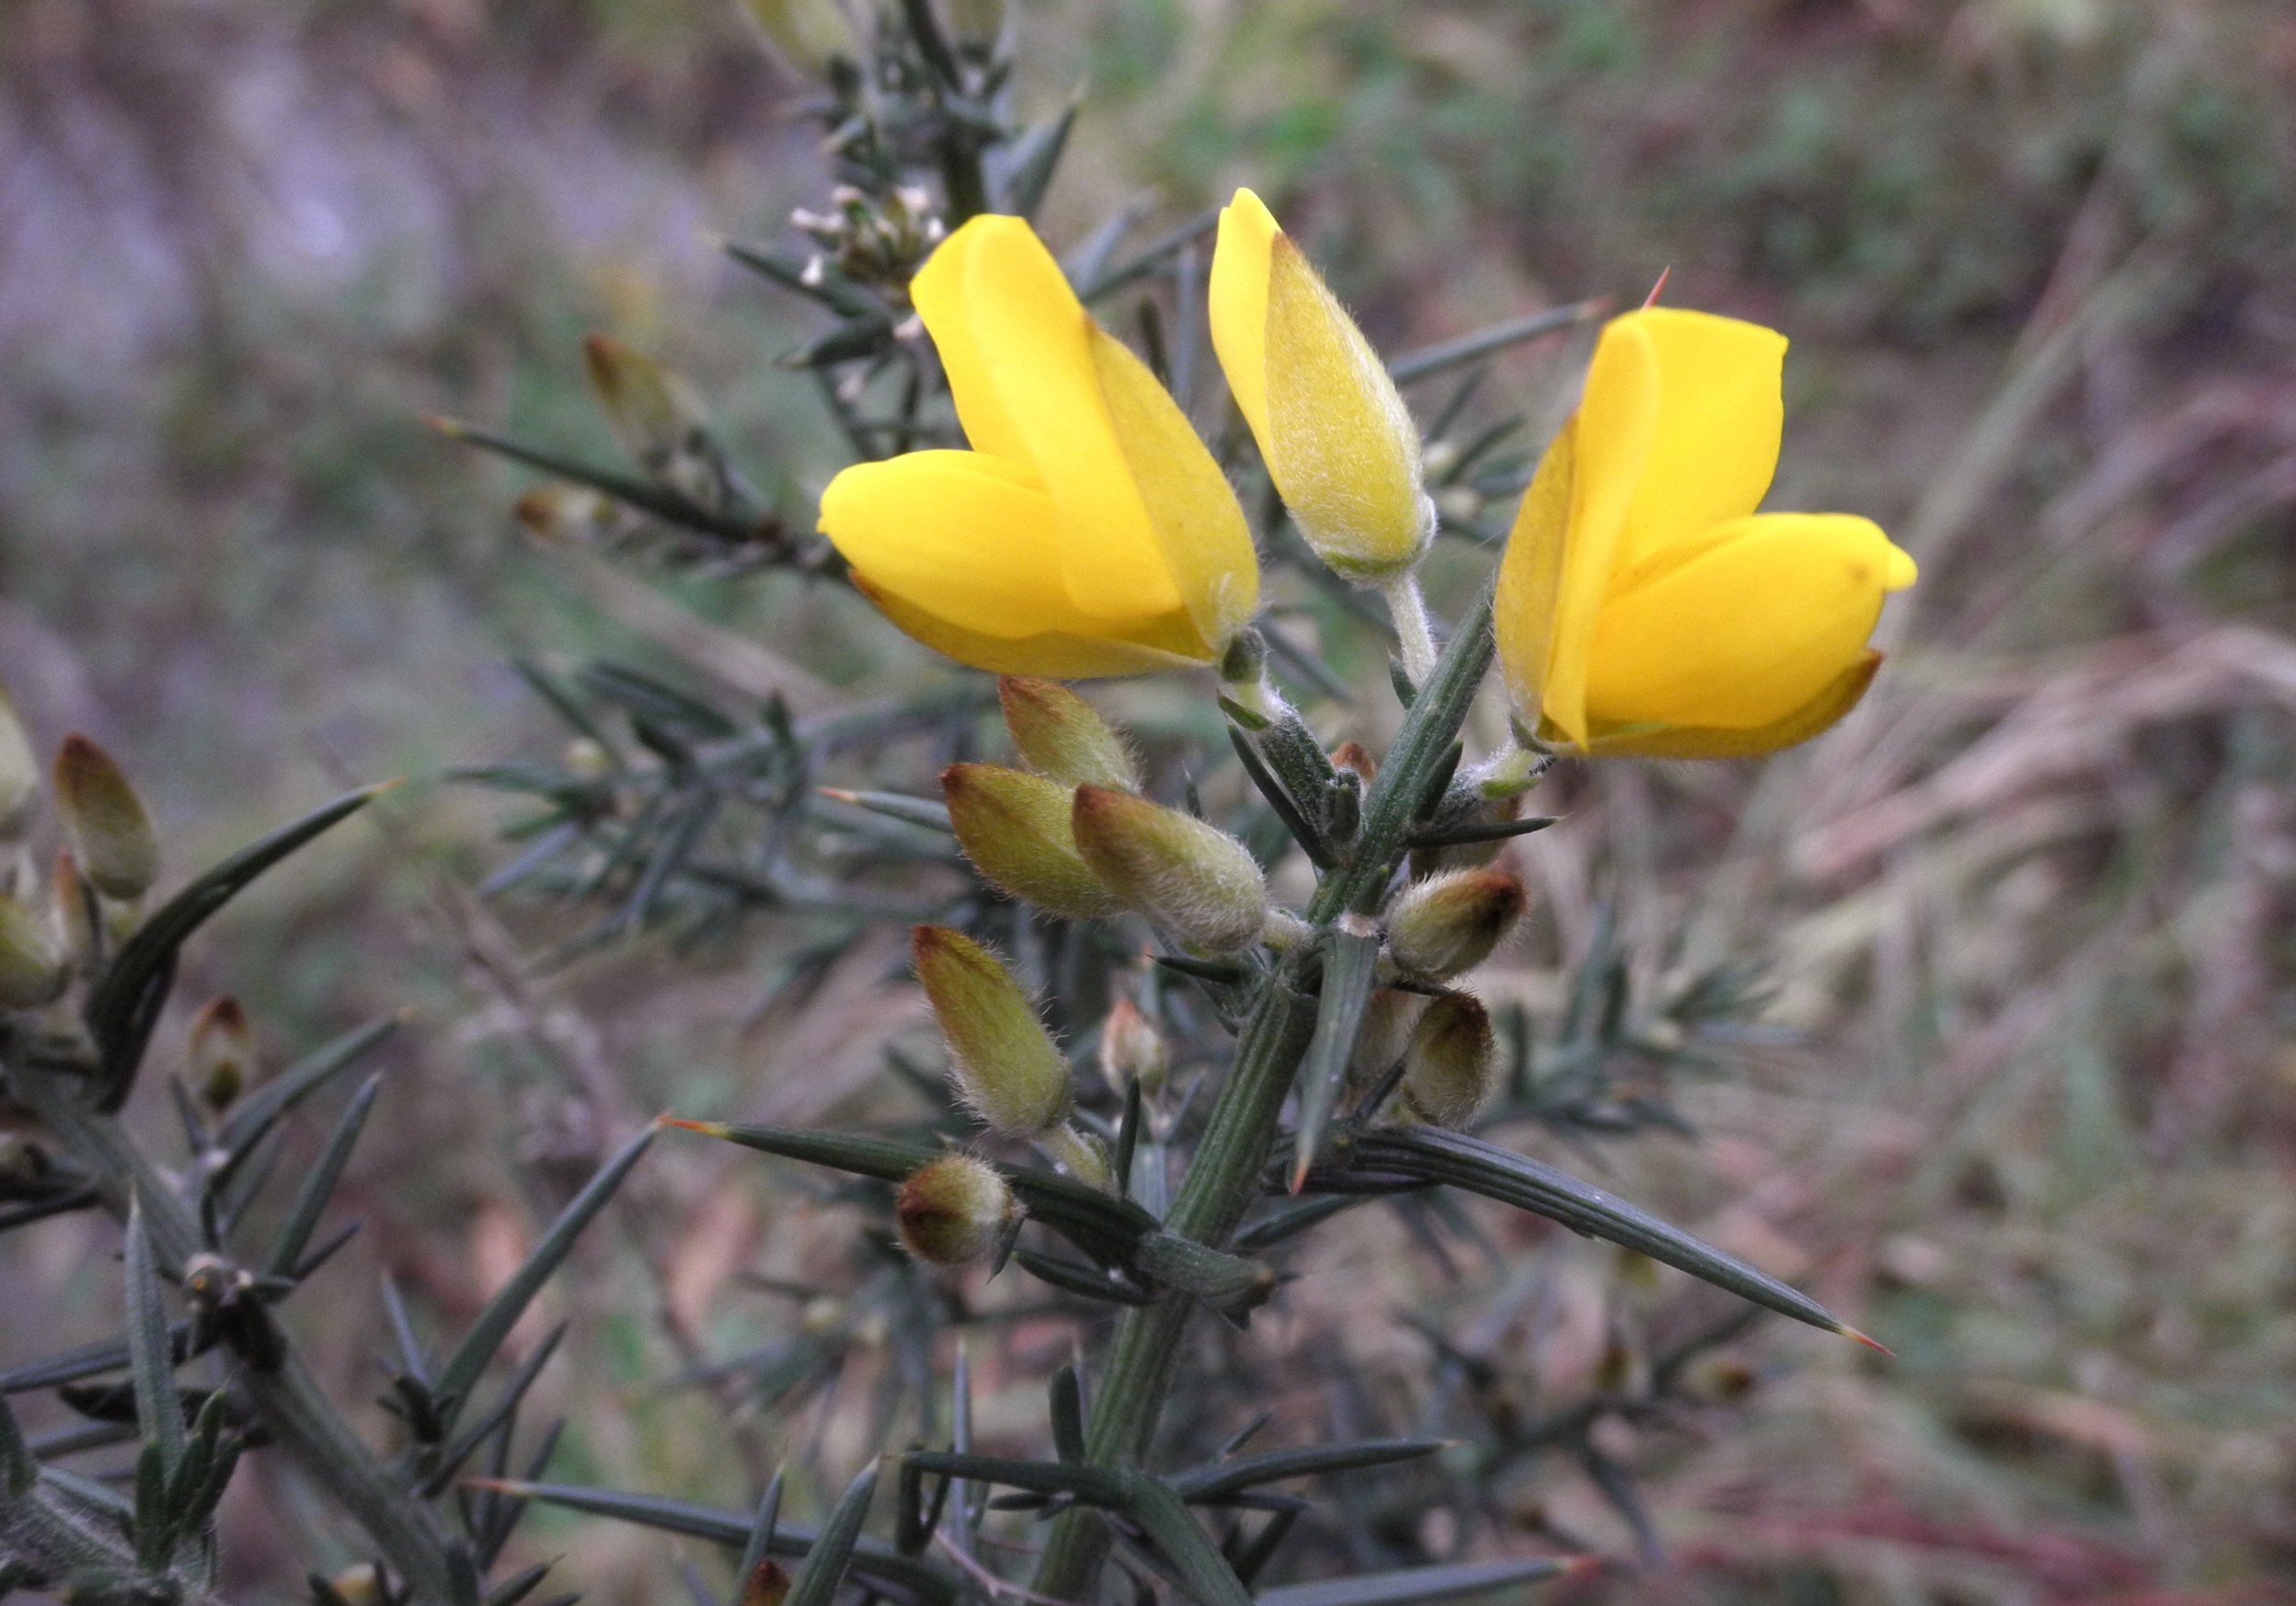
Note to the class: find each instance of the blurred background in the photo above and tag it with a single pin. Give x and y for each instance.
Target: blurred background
(2028, 1109)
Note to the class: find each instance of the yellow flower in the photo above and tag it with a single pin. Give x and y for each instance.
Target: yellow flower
(1337, 438)
(1643, 607)
(1089, 532)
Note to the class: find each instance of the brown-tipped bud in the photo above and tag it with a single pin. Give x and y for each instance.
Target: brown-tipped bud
(223, 1052)
(562, 514)
(119, 852)
(33, 967)
(1080, 1156)
(1016, 829)
(1451, 1065)
(806, 34)
(20, 769)
(1200, 884)
(1005, 1064)
(363, 1585)
(767, 1585)
(72, 909)
(1717, 1380)
(660, 418)
(1354, 756)
(1060, 736)
(1390, 1015)
(954, 1211)
(1451, 922)
(1132, 1050)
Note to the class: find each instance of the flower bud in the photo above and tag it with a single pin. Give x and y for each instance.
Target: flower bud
(1061, 738)
(105, 821)
(1390, 1015)
(363, 1584)
(562, 514)
(1339, 442)
(1451, 1065)
(1200, 884)
(1132, 1050)
(1017, 829)
(1006, 1065)
(33, 967)
(954, 1211)
(807, 35)
(767, 1585)
(1451, 922)
(1353, 755)
(223, 1052)
(660, 420)
(1080, 1156)
(19, 770)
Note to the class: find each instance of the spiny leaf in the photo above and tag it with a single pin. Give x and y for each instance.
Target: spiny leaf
(1179, 1543)
(1488, 830)
(1433, 360)
(1213, 1484)
(825, 1566)
(318, 1186)
(1351, 959)
(124, 1006)
(257, 1112)
(1411, 1585)
(463, 1369)
(1093, 1485)
(151, 1358)
(17, 1469)
(761, 1541)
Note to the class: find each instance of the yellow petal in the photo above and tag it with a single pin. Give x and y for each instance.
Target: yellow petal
(1340, 444)
(1207, 546)
(1715, 444)
(1690, 742)
(1018, 347)
(1768, 614)
(968, 536)
(1055, 655)
(1237, 305)
(1530, 577)
(1611, 435)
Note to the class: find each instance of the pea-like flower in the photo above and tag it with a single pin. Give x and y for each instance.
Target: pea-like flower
(1089, 532)
(1338, 439)
(1643, 607)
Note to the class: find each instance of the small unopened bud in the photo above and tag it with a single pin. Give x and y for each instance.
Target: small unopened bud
(1060, 735)
(1017, 829)
(105, 821)
(1390, 1015)
(73, 909)
(767, 1585)
(562, 514)
(954, 1211)
(660, 420)
(20, 769)
(363, 1585)
(1717, 1380)
(223, 1052)
(1080, 1156)
(1451, 1065)
(1353, 755)
(1200, 884)
(33, 967)
(1451, 922)
(1006, 1065)
(806, 34)
(1132, 1050)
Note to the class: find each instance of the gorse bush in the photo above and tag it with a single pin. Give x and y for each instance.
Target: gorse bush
(1193, 1016)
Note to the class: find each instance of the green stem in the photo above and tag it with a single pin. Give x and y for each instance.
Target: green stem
(287, 1400)
(1224, 1175)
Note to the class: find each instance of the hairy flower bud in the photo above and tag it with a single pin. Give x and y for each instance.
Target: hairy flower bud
(1451, 1065)
(1390, 1015)
(1353, 755)
(1200, 884)
(1060, 735)
(767, 1585)
(954, 1211)
(1451, 922)
(1080, 1156)
(33, 968)
(1132, 1050)
(1016, 829)
(105, 821)
(19, 770)
(660, 420)
(221, 1052)
(1006, 1065)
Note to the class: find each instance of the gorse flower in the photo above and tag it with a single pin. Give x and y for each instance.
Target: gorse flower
(1643, 607)
(1089, 532)
(1337, 438)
